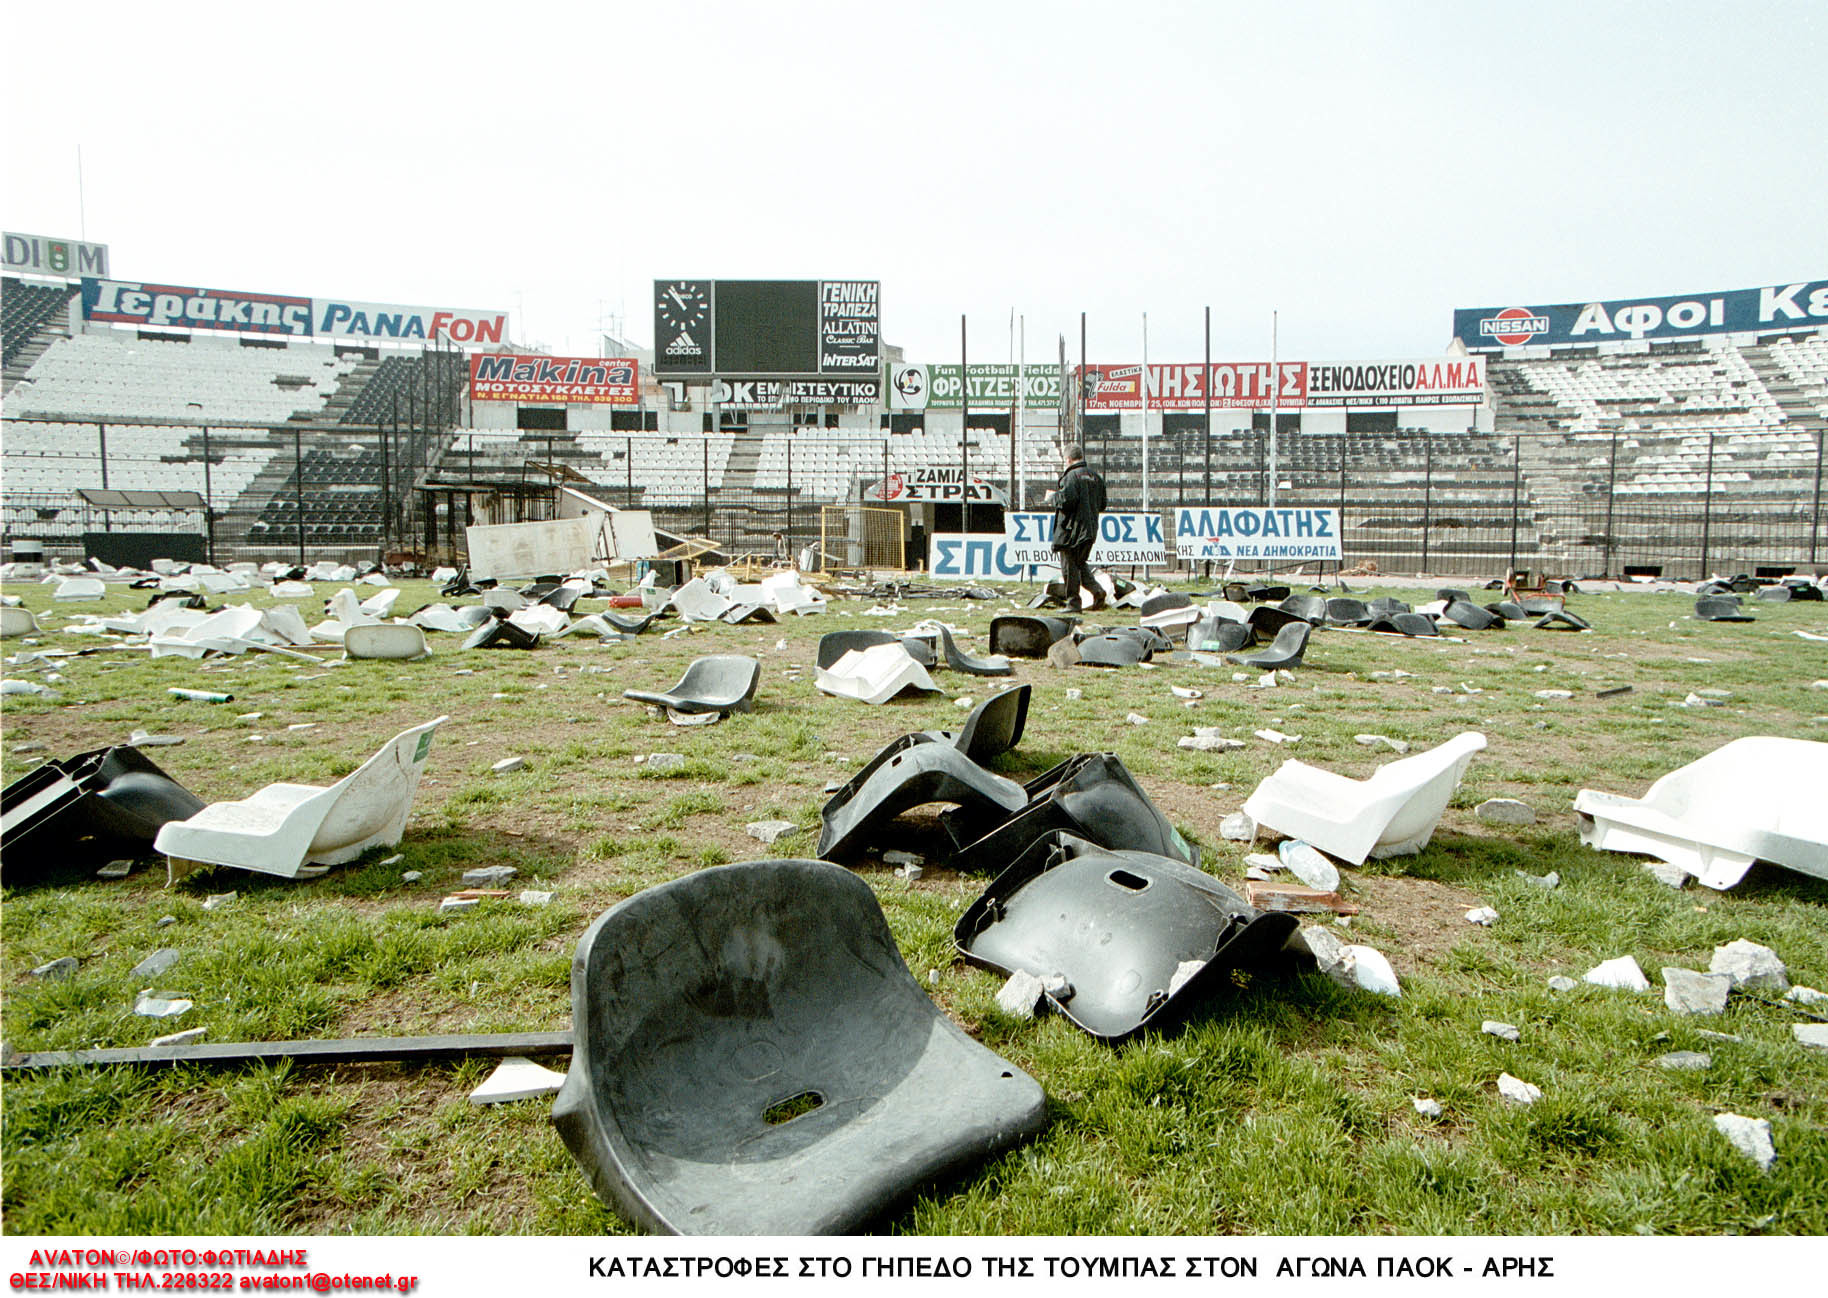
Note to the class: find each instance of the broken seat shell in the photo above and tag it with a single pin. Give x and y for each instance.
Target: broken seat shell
(98, 805)
(1757, 798)
(717, 683)
(1137, 937)
(753, 1057)
(284, 826)
(1391, 813)
(401, 641)
(17, 621)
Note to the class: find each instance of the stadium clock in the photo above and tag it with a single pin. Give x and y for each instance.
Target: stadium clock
(682, 306)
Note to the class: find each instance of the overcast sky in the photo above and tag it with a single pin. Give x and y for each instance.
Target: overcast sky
(1360, 168)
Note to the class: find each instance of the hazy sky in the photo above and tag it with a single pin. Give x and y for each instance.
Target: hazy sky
(1360, 168)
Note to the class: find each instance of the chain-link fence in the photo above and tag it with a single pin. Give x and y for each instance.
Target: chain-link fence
(1677, 504)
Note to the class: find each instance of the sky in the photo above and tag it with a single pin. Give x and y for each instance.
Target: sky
(1345, 174)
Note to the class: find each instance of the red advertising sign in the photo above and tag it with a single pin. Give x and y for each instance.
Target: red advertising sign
(1184, 387)
(581, 380)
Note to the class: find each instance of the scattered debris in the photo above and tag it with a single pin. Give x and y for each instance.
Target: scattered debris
(1688, 992)
(216, 901)
(156, 963)
(1547, 882)
(896, 857)
(1750, 1136)
(1307, 864)
(1022, 995)
(534, 897)
(1685, 1061)
(1751, 967)
(1518, 1091)
(1398, 746)
(1812, 1035)
(62, 967)
(910, 872)
(517, 1078)
(159, 1007)
(1288, 899)
(1503, 1031)
(1208, 739)
(1484, 916)
(450, 904)
(1137, 719)
(1277, 737)
(1622, 973)
(489, 876)
(1238, 827)
(661, 763)
(1505, 811)
(115, 870)
(768, 831)
(507, 764)
(411, 876)
(183, 1038)
(1562, 983)
(1426, 1107)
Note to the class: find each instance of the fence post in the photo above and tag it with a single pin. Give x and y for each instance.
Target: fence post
(209, 521)
(1612, 480)
(1707, 506)
(628, 473)
(1516, 486)
(1427, 492)
(298, 482)
(790, 549)
(1345, 453)
(1815, 517)
(101, 436)
(706, 477)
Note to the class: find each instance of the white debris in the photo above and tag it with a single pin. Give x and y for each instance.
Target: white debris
(1518, 1091)
(1685, 1061)
(1548, 881)
(1075, 694)
(894, 856)
(1484, 916)
(1137, 719)
(767, 831)
(517, 1078)
(1813, 1035)
(1208, 739)
(488, 876)
(1750, 1136)
(1395, 675)
(159, 1007)
(1307, 864)
(1505, 811)
(450, 904)
(1805, 996)
(1021, 995)
(1670, 876)
(1554, 694)
(909, 872)
(1426, 1107)
(1562, 983)
(1267, 681)
(218, 900)
(1688, 992)
(1277, 737)
(156, 963)
(1622, 973)
(1504, 1031)
(1182, 973)
(411, 876)
(1752, 967)
(1373, 741)
(184, 1038)
(508, 764)
(534, 897)
(1238, 827)
(1186, 692)
(62, 967)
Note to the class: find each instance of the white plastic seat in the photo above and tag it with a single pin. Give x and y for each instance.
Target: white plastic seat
(1392, 813)
(1754, 799)
(283, 826)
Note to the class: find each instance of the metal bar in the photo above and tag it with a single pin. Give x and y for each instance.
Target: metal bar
(298, 482)
(1206, 387)
(1707, 507)
(349, 1050)
(1612, 477)
(1815, 517)
(1516, 487)
(1427, 492)
(964, 428)
(209, 521)
(706, 478)
(101, 435)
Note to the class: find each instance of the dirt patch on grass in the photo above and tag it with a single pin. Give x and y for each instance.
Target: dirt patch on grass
(1426, 918)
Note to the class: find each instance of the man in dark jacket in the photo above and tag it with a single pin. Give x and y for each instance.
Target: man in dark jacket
(1078, 500)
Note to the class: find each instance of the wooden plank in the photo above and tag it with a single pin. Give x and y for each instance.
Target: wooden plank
(349, 1050)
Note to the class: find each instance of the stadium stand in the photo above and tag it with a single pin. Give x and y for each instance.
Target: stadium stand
(24, 308)
(213, 381)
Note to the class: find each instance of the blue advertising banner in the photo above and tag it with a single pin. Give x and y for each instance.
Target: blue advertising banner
(1747, 310)
(973, 554)
(1124, 540)
(1257, 532)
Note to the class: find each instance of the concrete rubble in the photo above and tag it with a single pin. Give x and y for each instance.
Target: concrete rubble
(1622, 973)
(1750, 1136)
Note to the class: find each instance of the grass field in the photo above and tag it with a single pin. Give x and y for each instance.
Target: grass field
(1281, 1108)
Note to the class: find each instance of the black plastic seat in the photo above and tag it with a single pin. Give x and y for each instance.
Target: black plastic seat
(1090, 795)
(1721, 608)
(717, 683)
(1410, 624)
(98, 805)
(1027, 636)
(833, 645)
(1285, 650)
(960, 661)
(1219, 635)
(911, 772)
(753, 1057)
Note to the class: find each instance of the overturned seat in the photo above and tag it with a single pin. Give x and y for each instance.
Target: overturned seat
(874, 675)
(1754, 799)
(284, 826)
(502, 634)
(394, 640)
(833, 645)
(1392, 813)
(1091, 796)
(1409, 624)
(1309, 608)
(17, 621)
(1137, 937)
(716, 683)
(1469, 615)
(1027, 636)
(1721, 608)
(994, 726)
(1285, 650)
(1113, 649)
(1562, 620)
(1344, 611)
(753, 1057)
(911, 772)
(1219, 635)
(1267, 620)
(98, 805)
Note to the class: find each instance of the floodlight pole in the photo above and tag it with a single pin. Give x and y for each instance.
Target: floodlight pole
(1143, 387)
(1275, 388)
(964, 429)
(1019, 457)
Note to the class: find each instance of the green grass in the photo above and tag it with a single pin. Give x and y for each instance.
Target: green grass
(1282, 1106)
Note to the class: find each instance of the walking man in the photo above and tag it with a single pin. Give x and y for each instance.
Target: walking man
(1078, 501)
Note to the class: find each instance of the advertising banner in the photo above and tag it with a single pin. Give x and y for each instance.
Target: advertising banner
(570, 379)
(174, 306)
(41, 254)
(1124, 540)
(1256, 532)
(1449, 381)
(770, 394)
(1801, 305)
(1184, 387)
(850, 325)
(969, 554)
(991, 387)
(935, 485)
(336, 318)
(768, 329)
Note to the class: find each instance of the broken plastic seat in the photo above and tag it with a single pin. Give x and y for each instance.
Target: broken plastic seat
(1509, 610)
(1393, 812)
(502, 634)
(1091, 796)
(1309, 608)
(740, 614)
(720, 683)
(80, 588)
(1138, 938)
(994, 726)
(1264, 594)
(753, 1057)
(1026, 636)
(285, 826)
(911, 772)
(1774, 594)
(833, 645)
(1386, 604)
(97, 805)
(17, 621)
(1562, 620)
(1342, 611)
(1469, 615)
(1409, 624)
(1112, 650)
(1754, 799)
(1285, 650)
(874, 675)
(960, 661)
(1721, 608)
(399, 641)
(1267, 620)
(1219, 635)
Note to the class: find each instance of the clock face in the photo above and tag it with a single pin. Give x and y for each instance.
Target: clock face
(682, 305)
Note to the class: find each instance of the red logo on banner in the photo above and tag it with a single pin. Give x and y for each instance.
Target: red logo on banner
(1514, 326)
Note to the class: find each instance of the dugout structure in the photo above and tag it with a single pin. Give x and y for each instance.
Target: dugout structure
(857, 536)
